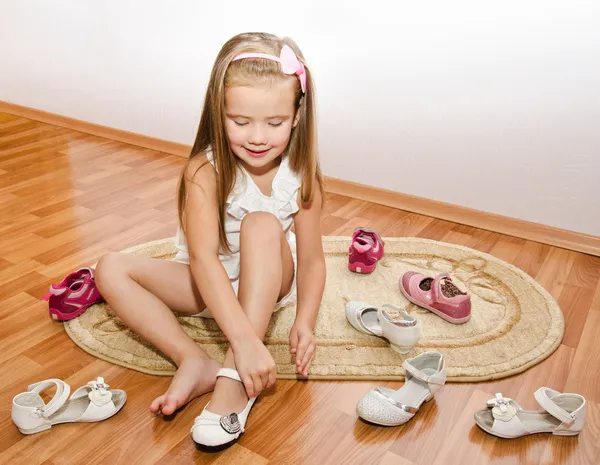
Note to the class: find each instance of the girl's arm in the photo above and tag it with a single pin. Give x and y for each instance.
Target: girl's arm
(252, 358)
(310, 280)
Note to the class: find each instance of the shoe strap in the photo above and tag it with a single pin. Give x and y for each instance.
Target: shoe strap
(229, 373)
(544, 397)
(86, 284)
(435, 286)
(402, 323)
(55, 291)
(86, 268)
(438, 378)
(382, 394)
(358, 308)
(60, 397)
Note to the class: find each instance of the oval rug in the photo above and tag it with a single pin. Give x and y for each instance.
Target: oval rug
(515, 323)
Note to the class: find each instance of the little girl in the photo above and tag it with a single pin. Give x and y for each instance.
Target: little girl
(253, 173)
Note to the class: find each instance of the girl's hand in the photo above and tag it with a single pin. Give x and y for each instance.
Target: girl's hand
(255, 365)
(302, 344)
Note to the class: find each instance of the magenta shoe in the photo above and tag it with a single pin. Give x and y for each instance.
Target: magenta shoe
(438, 295)
(73, 295)
(366, 249)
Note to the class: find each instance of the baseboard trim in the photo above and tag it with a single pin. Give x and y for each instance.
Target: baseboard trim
(501, 224)
(550, 235)
(120, 135)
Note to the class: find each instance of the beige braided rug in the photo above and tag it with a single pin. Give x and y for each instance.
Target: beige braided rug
(515, 323)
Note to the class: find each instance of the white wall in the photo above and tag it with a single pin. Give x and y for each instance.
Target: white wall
(489, 105)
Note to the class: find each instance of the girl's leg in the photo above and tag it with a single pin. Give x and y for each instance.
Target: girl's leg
(266, 275)
(144, 292)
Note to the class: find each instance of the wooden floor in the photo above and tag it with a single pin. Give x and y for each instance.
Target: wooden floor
(66, 198)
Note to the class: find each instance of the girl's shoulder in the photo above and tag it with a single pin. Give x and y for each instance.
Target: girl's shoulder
(199, 170)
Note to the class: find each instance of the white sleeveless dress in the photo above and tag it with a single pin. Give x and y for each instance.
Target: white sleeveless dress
(244, 198)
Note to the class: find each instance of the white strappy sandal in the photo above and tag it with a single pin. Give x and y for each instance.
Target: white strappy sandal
(90, 403)
(402, 330)
(425, 374)
(564, 415)
(215, 432)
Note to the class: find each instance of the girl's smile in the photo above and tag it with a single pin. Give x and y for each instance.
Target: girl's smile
(257, 154)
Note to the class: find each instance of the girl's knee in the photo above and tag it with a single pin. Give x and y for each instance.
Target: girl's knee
(108, 268)
(261, 224)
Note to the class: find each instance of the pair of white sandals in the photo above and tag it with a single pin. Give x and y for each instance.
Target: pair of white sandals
(563, 414)
(90, 403)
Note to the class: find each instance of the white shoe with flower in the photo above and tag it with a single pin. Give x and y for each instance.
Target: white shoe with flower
(90, 403)
(563, 415)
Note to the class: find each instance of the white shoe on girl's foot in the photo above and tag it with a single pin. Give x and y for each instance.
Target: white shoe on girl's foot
(564, 415)
(214, 431)
(425, 374)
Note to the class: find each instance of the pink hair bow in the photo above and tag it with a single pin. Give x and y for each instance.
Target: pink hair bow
(288, 60)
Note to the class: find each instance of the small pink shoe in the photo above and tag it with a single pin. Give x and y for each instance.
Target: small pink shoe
(366, 249)
(438, 295)
(73, 295)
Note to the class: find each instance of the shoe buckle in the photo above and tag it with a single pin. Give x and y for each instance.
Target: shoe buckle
(40, 412)
(99, 384)
(502, 408)
(501, 403)
(102, 386)
(231, 423)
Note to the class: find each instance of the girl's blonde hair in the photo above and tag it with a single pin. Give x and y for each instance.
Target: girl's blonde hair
(302, 147)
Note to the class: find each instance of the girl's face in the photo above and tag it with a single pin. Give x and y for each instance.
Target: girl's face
(259, 121)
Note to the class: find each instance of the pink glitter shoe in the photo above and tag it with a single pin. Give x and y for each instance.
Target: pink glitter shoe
(438, 295)
(366, 249)
(73, 295)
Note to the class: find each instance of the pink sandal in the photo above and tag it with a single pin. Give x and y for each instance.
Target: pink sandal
(73, 295)
(366, 249)
(438, 295)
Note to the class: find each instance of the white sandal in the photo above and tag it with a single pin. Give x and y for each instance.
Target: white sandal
(425, 374)
(213, 431)
(93, 402)
(564, 415)
(402, 330)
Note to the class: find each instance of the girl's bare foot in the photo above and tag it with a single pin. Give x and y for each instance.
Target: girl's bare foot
(195, 376)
